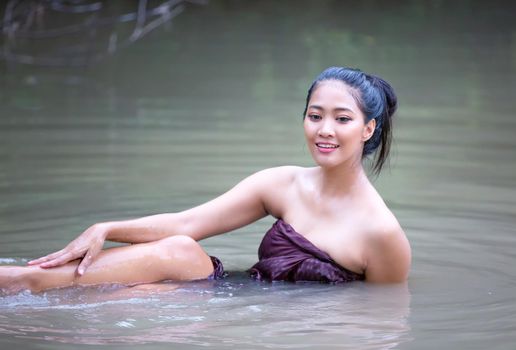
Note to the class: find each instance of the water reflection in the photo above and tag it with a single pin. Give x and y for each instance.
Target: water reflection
(236, 312)
(79, 33)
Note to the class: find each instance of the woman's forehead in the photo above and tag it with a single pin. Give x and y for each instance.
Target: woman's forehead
(334, 93)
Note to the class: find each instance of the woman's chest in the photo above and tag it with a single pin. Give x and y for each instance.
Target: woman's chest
(342, 238)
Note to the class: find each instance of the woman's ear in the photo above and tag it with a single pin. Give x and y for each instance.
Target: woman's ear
(368, 130)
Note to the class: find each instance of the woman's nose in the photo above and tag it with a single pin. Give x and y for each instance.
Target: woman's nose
(326, 129)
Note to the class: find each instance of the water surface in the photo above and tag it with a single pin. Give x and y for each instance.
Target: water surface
(98, 126)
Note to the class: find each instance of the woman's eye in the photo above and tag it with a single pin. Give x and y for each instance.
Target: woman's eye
(343, 119)
(314, 117)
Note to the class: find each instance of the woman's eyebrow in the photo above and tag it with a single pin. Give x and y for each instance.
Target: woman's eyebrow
(337, 109)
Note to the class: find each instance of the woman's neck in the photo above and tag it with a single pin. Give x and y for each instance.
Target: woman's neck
(341, 181)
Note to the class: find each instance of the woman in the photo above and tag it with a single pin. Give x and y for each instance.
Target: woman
(332, 224)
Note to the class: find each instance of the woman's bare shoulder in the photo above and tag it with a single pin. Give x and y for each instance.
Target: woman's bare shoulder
(388, 254)
(281, 174)
(382, 223)
(379, 216)
(286, 169)
(276, 185)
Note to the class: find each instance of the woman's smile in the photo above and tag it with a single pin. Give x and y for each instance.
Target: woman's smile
(325, 147)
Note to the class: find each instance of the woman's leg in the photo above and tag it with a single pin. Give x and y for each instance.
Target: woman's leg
(178, 258)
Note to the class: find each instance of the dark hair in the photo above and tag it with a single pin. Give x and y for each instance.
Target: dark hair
(376, 99)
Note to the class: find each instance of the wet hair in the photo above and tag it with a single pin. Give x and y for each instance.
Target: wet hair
(376, 99)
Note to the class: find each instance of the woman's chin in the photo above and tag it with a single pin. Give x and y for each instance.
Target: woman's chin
(327, 163)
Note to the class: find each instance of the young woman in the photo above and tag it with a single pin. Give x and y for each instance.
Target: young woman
(332, 224)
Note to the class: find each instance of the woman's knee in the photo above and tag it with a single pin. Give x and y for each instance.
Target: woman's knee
(180, 248)
(186, 258)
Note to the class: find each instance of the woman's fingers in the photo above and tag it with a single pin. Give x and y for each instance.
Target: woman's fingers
(60, 260)
(85, 263)
(88, 259)
(46, 258)
(87, 245)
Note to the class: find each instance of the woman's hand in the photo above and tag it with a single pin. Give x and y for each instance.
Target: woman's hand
(87, 246)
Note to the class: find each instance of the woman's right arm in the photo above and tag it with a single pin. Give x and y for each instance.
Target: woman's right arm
(247, 202)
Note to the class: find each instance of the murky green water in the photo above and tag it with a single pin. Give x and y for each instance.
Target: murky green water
(168, 119)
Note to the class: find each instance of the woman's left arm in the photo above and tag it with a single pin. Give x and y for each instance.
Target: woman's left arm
(388, 256)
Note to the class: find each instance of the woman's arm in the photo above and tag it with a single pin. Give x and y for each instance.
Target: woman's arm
(243, 204)
(388, 256)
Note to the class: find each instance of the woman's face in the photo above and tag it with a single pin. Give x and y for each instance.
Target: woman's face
(335, 127)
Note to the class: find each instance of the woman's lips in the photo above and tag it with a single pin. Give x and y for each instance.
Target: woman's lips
(325, 147)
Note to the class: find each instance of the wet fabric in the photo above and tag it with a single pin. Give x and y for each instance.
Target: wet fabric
(218, 269)
(285, 255)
